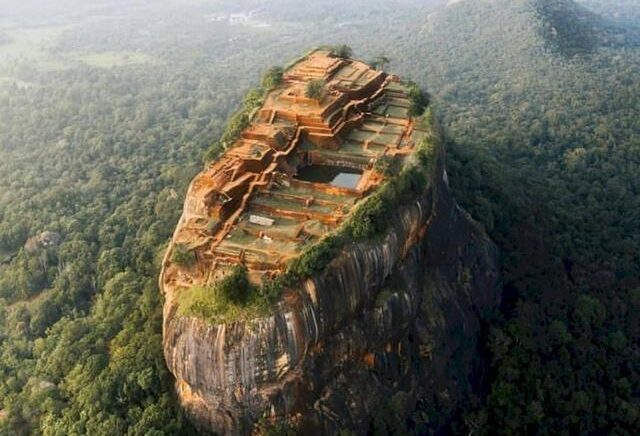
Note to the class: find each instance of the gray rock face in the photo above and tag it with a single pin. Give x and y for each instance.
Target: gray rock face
(395, 320)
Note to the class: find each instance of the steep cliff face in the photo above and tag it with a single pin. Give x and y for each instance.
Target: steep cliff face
(387, 322)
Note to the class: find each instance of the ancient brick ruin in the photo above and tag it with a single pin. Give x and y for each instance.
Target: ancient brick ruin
(296, 172)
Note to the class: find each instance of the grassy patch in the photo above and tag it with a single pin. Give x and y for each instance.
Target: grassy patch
(109, 59)
(32, 44)
(204, 303)
(232, 298)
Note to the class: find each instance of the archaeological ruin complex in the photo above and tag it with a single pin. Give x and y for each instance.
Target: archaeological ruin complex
(295, 172)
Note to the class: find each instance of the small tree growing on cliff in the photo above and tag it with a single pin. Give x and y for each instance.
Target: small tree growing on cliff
(388, 165)
(315, 89)
(342, 51)
(419, 100)
(380, 62)
(272, 78)
(182, 256)
(235, 287)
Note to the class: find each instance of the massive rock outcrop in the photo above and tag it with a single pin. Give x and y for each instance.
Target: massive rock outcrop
(386, 323)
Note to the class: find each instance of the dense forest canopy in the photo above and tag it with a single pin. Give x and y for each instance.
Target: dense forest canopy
(106, 109)
(546, 153)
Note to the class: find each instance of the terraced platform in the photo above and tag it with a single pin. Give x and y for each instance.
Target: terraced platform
(296, 172)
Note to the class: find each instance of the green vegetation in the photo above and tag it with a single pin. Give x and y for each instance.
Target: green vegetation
(272, 78)
(379, 62)
(341, 51)
(371, 218)
(235, 286)
(238, 122)
(230, 299)
(544, 152)
(111, 59)
(388, 165)
(315, 89)
(182, 256)
(242, 118)
(278, 428)
(419, 100)
(571, 30)
(233, 298)
(30, 44)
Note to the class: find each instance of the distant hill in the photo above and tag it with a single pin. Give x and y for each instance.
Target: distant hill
(505, 56)
(563, 26)
(623, 11)
(573, 29)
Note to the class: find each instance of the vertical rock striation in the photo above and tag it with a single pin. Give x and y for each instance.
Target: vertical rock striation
(395, 320)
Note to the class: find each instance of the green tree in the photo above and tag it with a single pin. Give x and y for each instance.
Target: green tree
(342, 51)
(315, 89)
(379, 62)
(235, 286)
(182, 255)
(272, 78)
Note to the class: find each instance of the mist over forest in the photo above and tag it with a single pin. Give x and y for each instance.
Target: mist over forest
(108, 107)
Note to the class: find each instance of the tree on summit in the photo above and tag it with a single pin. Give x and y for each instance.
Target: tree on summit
(342, 51)
(379, 62)
(315, 89)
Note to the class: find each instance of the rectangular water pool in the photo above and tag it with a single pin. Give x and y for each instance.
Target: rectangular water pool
(335, 176)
